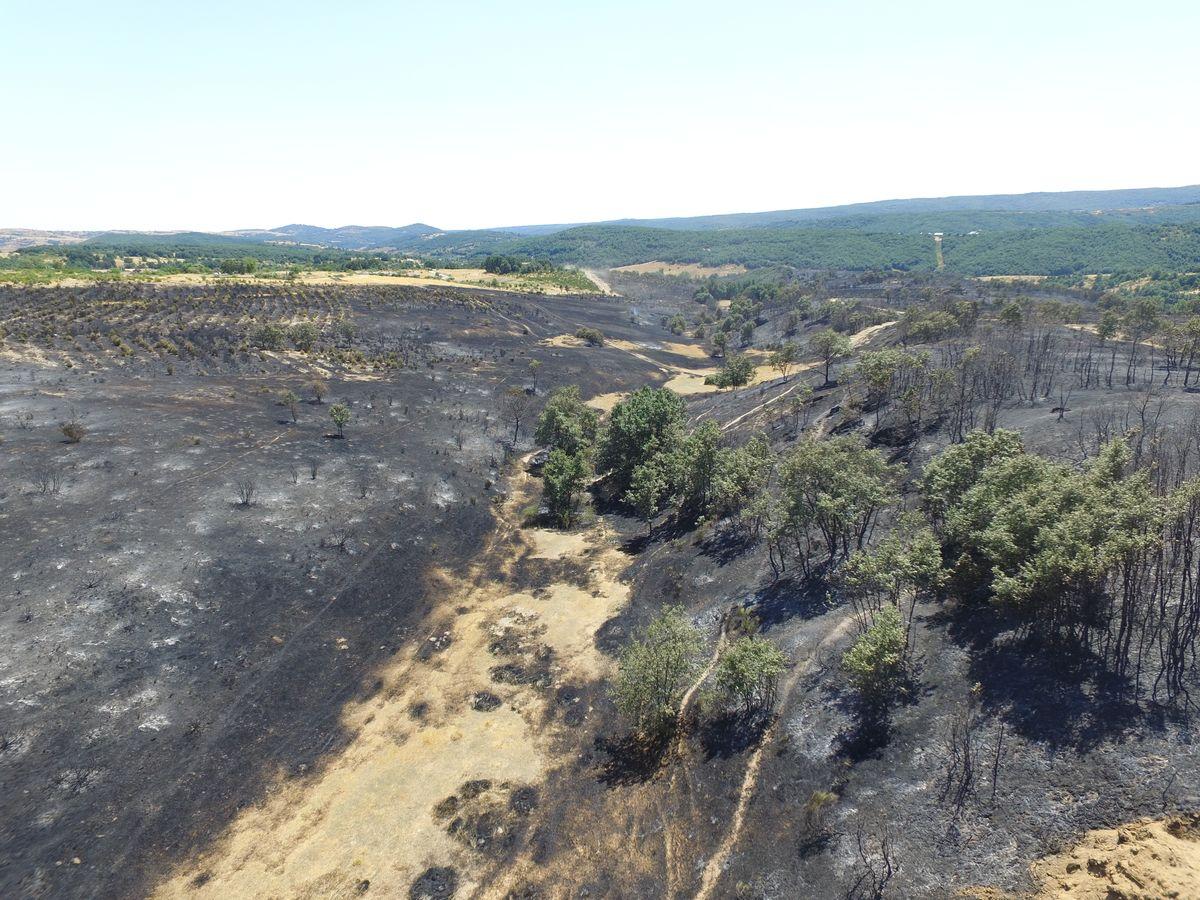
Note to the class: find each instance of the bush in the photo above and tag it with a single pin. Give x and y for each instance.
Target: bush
(876, 662)
(654, 672)
(563, 477)
(593, 337)
(749, 671)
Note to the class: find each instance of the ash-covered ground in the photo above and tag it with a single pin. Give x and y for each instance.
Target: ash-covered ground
(192, 675)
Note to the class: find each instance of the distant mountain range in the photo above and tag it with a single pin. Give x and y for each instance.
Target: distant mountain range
(965, 213)
(348, 237)
(1129, 199)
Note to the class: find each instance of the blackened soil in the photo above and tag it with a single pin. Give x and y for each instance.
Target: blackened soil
(170, 649)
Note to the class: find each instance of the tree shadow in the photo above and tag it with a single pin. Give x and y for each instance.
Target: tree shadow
(869, 730)
(733, 732)
(726, 545)
(1059, 693)
(790, 598)
(631, 759)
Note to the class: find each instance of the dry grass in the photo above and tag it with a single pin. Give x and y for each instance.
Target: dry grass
(369, 815)
(688, 270)
(472, 278)
(1146, 859)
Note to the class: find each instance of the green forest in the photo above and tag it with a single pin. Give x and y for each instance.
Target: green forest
(1066, 244)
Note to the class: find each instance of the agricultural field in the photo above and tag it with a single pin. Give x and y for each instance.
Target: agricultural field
(297, 606)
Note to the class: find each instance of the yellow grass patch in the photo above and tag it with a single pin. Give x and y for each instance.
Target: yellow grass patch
(1144, 859)
(689, 270)
(369, 815)
(470, 278)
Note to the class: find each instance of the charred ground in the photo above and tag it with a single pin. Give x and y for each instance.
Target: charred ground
(178, 655)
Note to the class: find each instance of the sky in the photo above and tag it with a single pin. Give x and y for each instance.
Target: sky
(221, 115)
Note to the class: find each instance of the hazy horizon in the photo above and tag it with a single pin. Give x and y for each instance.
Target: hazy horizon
(150, 117)
(577, 221)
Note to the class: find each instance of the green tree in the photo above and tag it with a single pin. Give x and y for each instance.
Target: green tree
(876, 661)
(304, 335)
(245, 265)
(748, 672)
(692, 470)
(563, 478)
(719, 341)
(291, 401)
(737, 371)
(340, 414)
(835, 489)
(267, 337)
(739, 482)
(649, 488)
(1042, 539)
(646, 422)
(593, 337)
(785, 358)
(952, 473)
(829, 346)
(654, 672)
(566, 422)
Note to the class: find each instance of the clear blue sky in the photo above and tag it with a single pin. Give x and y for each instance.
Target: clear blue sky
(218, 114)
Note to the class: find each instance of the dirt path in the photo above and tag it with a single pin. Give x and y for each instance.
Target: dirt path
(716, 863)
(671, 864)
(599, 282)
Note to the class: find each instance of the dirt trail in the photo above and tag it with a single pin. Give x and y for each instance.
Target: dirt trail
(599, 282)
(716, 863)
(856, 340)
(449, 713)
(861, 337)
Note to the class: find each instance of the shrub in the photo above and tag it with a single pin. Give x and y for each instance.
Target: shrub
(246, 489)
(340, 414)
(654, 672)
(876, 661)
(749, 671)
(73, 431)
(593, 337)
